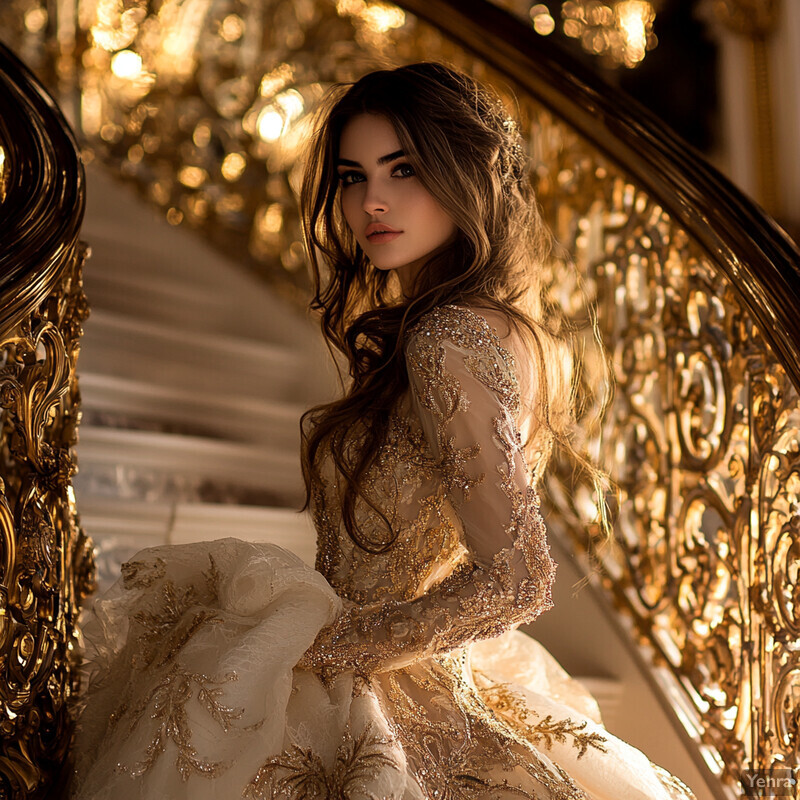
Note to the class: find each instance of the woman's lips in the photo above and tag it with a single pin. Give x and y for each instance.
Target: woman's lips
(380, 233)
(381, 238)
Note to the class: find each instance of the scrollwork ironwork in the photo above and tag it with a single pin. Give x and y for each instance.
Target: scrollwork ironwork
(703, 440)
(46, 559)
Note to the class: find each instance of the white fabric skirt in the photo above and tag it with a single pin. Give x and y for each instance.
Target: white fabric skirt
(190, 692)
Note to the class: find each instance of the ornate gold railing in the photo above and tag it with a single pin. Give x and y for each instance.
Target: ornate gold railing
(696, 292)
(46, 566)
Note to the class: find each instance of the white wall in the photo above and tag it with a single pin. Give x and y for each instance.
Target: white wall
(737, 157)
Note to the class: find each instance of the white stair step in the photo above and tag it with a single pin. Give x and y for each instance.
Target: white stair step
(144, 461)
(199, 362)
(116, 218)
(198, 522)
(242, 419)
(119, 529)
(141, 286)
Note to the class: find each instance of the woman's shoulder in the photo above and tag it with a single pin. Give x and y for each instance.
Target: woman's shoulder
(466, 326)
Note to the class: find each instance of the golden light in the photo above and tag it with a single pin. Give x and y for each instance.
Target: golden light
(632, 18)
(270, 124)
(291, 103)
(620, 31)
(36, 19)
(231, 28)
(115, 28)
(174, 216)
(202, 134)
(274, 119)
(230, 204)
(127, 64)
(91, 111)
(193, 177)
(277, 79)
(272, 219)
(135, 154)
(543, 23)
(381, 18)
(181, 24)
(352, 8)
(233, 166)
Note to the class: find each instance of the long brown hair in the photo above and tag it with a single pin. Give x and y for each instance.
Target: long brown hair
(468, 153)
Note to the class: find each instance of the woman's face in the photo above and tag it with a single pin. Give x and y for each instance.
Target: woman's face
(394, 218)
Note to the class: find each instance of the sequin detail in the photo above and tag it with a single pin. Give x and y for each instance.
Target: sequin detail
(470, 562)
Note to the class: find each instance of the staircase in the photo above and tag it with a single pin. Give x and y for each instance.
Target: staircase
(193, 376)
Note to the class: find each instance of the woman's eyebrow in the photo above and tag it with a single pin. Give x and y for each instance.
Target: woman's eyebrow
(345, 162)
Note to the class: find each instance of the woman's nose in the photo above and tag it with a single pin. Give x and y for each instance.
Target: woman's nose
(374, 200)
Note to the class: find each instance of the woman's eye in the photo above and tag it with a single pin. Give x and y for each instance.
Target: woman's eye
(349, 178)
(406, 170)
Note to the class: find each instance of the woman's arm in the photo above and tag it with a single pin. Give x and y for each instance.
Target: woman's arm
(466, 394)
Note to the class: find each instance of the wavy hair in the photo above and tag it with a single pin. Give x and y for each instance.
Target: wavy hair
(468, 154)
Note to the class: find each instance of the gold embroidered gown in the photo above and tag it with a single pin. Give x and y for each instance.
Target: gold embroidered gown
(204, 659)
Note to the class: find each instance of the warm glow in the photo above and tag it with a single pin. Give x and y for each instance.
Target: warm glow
(272, 221)
(381, 18)
(269, 124)
(276, 80)
(543, 23)
(36, 19)
(274, 119)
(127, 64)
(632, 19)
(115, 28)
(351, 8)
(232, 28)
(181, 23)
(233, 166)
(621, 31)
(91, 111)
(291, 103)
(193, 177)
(174, 216)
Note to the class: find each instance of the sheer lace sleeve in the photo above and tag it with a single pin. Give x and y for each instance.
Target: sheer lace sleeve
(465, 391)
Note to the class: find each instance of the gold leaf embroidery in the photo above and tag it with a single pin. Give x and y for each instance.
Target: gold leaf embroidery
(166, 703)
(300, 774)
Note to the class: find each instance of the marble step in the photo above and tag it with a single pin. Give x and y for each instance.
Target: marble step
(199, 362)
(137, 282)
(162, 467)
(120, 528)
(175, 264)
(112, 401)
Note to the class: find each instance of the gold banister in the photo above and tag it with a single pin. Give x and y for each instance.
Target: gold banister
(755, 254)
(46, 561)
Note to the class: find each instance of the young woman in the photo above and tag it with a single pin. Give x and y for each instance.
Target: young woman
(394, 671)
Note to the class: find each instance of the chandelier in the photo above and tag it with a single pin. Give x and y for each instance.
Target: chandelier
(619, 31)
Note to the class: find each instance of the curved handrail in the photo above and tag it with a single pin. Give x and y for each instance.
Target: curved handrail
(46, 559)
(719, 216)
(42, 211)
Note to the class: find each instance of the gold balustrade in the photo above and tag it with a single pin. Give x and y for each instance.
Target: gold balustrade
(46, 563)
(696, 293)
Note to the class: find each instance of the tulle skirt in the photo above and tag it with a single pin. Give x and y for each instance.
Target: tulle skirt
(191, 691)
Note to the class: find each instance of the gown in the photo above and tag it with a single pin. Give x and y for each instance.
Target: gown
(230, 669)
